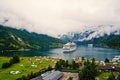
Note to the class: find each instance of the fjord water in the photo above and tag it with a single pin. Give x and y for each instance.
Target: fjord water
(82, 51)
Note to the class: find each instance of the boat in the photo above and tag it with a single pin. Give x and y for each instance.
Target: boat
(90, 45)
(116, 59)
(69, 47)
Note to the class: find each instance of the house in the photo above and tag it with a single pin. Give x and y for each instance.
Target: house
(56, 75)
(116, 59)
(109, 68)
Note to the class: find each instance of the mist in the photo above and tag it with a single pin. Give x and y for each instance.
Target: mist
(54, 17)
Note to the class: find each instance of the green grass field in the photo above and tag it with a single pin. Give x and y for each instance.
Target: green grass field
(105, 75)
(25, 66)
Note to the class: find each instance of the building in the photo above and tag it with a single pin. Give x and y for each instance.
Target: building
(56, 75)
(116, 59)
(90, 45)
(109, 68)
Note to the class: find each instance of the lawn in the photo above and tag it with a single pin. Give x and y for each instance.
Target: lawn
(25, 66)
(105, 75)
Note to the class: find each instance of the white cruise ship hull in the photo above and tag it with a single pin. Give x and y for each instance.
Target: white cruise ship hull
(69, 50)
(69, 47)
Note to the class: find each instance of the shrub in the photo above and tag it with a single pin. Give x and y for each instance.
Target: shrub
(5, 65)
(12, 61)
(106, 60)
(111, 77)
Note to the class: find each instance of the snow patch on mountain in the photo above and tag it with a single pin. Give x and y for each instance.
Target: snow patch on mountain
(91, 32)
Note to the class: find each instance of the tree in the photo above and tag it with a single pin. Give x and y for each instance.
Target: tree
(49, 68)
(83, 58)
(14, 60)
(89, 72)
(73, 64)
(31, 75)
(5, 65)
(93, 59)
(24, 77)
(118, 78)
(57, 66)
(111, 77)
(66, 63)
(62, 63)
(106, 60)
(19, 79)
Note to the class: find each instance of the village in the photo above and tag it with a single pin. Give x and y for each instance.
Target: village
(45, 68)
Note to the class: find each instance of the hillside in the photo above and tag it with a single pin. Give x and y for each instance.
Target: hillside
(111, 41)
(103, 36)
(14, 39)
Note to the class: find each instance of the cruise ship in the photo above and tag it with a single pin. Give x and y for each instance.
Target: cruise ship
(69, 47)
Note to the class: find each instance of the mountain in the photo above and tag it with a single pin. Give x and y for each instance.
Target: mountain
(91, 32)
(20, 39)
(107, 41)
(104, 36)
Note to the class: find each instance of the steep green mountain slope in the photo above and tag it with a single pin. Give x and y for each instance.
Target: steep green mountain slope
(111, 41)
(14, 39)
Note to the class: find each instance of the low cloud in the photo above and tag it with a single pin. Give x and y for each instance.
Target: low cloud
(55, 17)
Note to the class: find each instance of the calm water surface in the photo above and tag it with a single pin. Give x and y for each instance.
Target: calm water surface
(88, 52)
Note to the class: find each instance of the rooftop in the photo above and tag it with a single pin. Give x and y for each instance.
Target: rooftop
(54, 76)
(109, 67)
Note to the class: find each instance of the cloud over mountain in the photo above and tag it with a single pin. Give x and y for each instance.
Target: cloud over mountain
(58, 17)
(92, 32)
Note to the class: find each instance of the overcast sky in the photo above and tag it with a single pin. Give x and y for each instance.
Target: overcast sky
(60, 16)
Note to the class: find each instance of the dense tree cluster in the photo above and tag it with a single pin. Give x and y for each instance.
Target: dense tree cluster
(15, 59)
(89, 72)
(62, 64)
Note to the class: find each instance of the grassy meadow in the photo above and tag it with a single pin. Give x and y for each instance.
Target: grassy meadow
(26, 66)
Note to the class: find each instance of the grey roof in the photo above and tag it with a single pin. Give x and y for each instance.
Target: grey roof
(37, 78)
(109, 67)
(54, 76)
